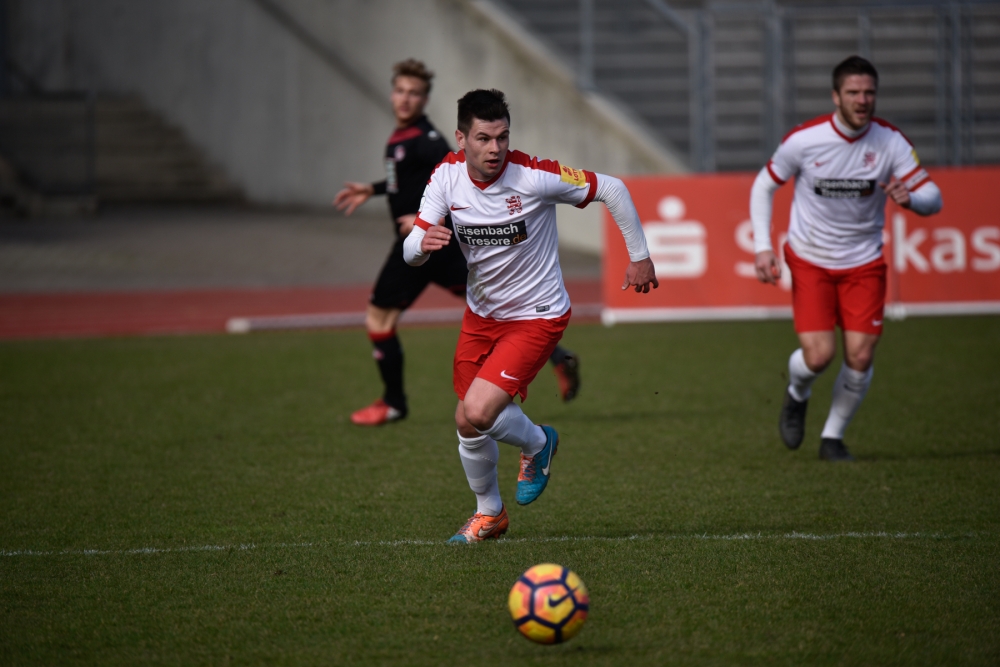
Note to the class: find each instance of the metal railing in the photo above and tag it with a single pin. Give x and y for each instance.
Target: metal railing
(695, 29)
(955, 55)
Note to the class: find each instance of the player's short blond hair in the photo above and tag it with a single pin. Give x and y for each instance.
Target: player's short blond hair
(416, 69)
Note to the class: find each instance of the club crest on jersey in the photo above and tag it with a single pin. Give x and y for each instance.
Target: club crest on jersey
(492, 235)
(869, 159)
(400, 153)
(572, 176)
(513, 204)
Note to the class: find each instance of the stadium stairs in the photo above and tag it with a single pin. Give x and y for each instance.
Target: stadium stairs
(141, 157)
(65, 154)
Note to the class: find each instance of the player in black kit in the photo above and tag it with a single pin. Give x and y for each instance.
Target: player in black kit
(411, 154)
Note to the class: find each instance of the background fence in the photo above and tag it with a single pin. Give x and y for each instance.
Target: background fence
(723, 82)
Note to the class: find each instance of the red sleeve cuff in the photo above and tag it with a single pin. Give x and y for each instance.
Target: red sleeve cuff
(422, 224)
(592, 191)
(770, 170)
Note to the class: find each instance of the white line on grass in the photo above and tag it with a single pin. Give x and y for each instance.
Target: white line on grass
(517, 540)
(704, 536)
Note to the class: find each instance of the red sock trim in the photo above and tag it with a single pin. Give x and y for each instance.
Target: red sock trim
(378, 337)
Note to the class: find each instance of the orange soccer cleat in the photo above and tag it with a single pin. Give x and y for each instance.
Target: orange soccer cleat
(376, 414)
(481, 527)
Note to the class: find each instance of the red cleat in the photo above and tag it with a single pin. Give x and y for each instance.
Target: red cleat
(568, 374)
(376, 414)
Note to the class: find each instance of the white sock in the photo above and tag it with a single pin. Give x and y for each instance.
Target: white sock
(479, 458)
(800, 378)
(513, 427)
(848, 392)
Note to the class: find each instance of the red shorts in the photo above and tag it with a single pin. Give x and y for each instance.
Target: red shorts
(507, 353)
(853, 299)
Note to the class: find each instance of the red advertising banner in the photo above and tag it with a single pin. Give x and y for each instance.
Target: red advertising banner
(701, 242)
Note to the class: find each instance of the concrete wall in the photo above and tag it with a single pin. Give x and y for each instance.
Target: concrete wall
(290, 96)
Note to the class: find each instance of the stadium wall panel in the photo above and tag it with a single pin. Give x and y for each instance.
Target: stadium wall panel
(290, 96)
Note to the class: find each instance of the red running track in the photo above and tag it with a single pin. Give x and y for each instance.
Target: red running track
(93, 314)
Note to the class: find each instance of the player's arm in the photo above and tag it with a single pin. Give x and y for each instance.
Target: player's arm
(761, 204)
(427, 237)
(354, 195)
(423, 239)
(782, 166)
(912, 186)
(640, 273)
(924, 201)
(560, 184)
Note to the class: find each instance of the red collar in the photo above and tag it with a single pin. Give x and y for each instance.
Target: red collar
(850, 140)
(404, 133)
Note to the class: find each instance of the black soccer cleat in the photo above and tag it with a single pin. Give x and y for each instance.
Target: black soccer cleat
(792, 423)
(834, 449)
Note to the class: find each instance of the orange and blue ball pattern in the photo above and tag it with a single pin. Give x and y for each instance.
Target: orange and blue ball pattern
(548, 603)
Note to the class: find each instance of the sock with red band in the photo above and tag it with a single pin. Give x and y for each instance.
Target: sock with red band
(388, 355)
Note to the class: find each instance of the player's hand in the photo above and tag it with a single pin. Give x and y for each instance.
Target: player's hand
(768, 269)
(405, 223)
(898, 192)
(436, 238)
(641, 275)
(352, 196)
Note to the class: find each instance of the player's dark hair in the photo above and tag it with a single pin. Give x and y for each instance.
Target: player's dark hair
(414, 68)
(486, 105)
(853, 65)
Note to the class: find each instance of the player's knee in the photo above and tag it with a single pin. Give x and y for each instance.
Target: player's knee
(479, 416)
(379, 320)
(817, 358)
(465, 429)
(860, 360)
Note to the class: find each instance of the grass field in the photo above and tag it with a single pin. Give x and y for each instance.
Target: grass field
(205, 500)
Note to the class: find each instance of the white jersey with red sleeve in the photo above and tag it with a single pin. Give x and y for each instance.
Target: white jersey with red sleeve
(506, 228)
(839, 209)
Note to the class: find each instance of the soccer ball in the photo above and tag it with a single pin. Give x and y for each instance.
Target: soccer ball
(549, 604)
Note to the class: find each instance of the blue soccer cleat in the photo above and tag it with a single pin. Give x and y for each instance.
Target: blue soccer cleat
(536, 470)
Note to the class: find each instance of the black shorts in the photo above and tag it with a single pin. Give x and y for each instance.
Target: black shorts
(399, 284)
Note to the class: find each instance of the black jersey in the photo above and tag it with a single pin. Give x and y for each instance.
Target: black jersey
(410, 156)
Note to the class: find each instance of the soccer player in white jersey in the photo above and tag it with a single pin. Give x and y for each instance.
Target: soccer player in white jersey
(845, 165)
(502, 203)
